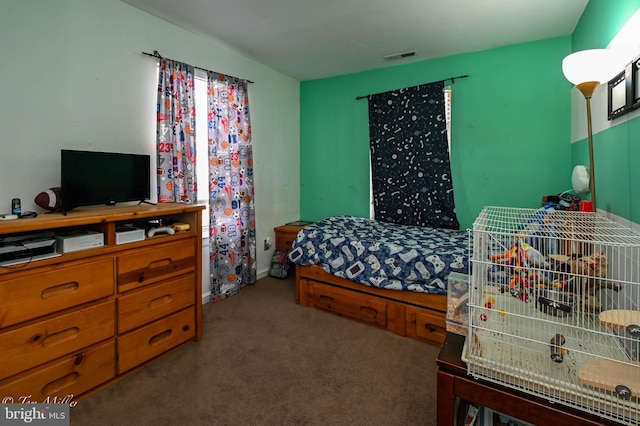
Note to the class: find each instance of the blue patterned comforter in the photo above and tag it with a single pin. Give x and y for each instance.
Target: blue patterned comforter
(383, 255)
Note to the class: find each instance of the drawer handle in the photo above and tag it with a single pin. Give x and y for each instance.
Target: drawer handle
(156, 264)
(328, 300)
(368, 311)
(430, 328)
(160, 337)
(59, 337)
(59, 290)
(160, 301)
(160, 263)
(59, 384)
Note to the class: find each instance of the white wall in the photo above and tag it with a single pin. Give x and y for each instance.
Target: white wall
(627, 41)
(599, 113)
(73, 76)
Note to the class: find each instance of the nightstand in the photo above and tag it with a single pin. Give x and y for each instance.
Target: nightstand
(285, 234)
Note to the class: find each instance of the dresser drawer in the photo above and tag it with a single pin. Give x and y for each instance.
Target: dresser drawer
(285, 235)
(150, 303)
(426, 325)
(34, 344)
(142, 267)
(285, 239)
(69, 375)
(145, 343)
(36, 295)
(372, 311)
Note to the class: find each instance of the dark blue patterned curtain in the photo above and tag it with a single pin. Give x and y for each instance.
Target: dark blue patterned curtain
(410, 165)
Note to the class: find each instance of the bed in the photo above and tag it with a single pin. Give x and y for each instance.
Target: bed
(388, 275)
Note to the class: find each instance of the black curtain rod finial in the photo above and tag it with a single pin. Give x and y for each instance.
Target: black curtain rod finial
(155, 54)
(453, 79)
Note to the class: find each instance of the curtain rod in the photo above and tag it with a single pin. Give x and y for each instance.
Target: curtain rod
(453, 80)
(157, 55)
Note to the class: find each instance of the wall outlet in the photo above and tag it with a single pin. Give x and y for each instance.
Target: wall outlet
(267, 243)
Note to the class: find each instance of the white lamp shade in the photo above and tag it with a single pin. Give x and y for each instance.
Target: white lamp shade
(580, 179)
(599, 65)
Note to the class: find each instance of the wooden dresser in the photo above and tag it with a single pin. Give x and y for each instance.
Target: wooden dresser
(73, 324)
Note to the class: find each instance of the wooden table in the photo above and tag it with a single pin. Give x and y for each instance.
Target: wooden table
(456, 389)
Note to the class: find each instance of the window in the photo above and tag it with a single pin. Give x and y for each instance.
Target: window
(202, 146)
(447, 108)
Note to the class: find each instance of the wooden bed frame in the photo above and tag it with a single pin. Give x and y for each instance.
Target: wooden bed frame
(406, 313)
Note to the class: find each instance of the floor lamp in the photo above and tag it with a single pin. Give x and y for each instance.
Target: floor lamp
(588, 69)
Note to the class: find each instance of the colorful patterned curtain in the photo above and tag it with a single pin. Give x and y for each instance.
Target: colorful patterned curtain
(232, 214)
(176, 142)
(410, 166)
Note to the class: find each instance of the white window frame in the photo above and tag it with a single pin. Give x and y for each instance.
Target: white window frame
(202, 145)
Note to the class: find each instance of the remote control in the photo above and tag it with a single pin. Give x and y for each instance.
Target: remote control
(161, 229)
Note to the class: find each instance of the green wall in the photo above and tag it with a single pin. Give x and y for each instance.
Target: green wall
(616, 150)
(510, 133)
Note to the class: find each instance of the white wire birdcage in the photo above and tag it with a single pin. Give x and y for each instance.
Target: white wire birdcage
(554, 308)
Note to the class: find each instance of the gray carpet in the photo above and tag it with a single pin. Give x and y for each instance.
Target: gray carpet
(266, 361)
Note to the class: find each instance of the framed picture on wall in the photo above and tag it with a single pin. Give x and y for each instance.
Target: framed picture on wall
(619, 93)
(635, 83)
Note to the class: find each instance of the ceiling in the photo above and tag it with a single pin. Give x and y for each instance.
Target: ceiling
(311, 39)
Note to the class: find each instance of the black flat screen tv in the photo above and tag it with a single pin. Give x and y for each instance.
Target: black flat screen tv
(103, 178)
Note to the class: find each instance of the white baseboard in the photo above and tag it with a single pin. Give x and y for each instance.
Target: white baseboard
(206, 297)
(622, 221)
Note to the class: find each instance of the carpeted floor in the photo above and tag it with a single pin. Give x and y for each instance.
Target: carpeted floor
(266, 361)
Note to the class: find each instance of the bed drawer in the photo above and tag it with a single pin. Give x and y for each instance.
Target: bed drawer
(145, 343)
(53, 290)
(150, 303)
(426, 325)
(350, 304)
(46, 340)
(142, 267)
(70, 375)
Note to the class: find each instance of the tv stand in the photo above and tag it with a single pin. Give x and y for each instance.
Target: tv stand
(146, 202)
(74, 324)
